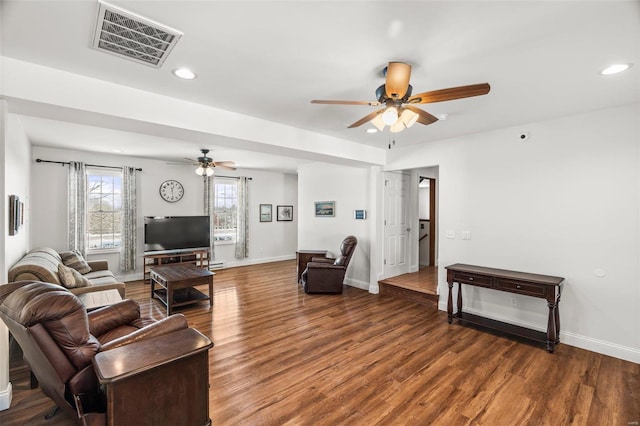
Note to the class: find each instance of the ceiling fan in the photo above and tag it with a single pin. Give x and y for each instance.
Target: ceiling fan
(399, 111)
(206, 165)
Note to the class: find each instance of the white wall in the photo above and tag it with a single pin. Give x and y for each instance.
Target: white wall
(15, 158)
(349, 187)
(267, 241)
(565, 202)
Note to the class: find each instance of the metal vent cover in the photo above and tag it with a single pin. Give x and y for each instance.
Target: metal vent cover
(128, 35)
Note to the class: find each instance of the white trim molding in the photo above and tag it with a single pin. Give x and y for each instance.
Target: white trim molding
(5, 398)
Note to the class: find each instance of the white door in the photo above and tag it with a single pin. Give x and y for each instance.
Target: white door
(396, 224)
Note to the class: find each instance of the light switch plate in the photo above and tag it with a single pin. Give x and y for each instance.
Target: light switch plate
(466, 235)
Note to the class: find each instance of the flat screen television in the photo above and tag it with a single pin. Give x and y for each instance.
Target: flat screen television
(174, 234)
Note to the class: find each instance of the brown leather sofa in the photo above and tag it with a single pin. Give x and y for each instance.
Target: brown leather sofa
(60, 341)
(326, 274)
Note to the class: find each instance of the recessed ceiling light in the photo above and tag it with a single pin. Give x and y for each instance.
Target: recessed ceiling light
(442, 117)
(184, 73)
(117, 150)
(615, 69)
(372, 130)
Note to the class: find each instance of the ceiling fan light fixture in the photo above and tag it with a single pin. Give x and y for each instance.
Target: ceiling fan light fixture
(378, 122)
(209, 171)
(408, 118)
(200, 171)
(390, 116)
(396, 127)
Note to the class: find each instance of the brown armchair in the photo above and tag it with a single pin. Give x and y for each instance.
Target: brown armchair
(326, 274)
(60, 342)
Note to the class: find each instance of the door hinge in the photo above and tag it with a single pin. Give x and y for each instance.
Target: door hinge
(385, 261)
(385, 221)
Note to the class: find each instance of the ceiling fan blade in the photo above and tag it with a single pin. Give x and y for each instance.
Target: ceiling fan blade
(222, 166)
(224, 163)
(397, 82)
(423, 116)
(366, 118)
(316, 101)
(450, 94)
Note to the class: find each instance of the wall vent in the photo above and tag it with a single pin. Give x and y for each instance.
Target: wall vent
(128, 35)
(216, 264)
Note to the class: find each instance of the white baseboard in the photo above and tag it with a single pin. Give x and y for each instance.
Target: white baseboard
(5, 398)
(362, 285)
(250, 261)
(583, 342)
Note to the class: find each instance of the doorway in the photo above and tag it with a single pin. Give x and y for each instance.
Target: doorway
(427, 221)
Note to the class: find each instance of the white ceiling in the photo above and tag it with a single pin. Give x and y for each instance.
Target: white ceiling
(268, 59)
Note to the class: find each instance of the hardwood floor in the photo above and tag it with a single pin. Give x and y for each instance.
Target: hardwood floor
(284, 357)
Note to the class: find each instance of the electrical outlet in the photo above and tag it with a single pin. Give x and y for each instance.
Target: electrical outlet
(514, 301)
(466, 235)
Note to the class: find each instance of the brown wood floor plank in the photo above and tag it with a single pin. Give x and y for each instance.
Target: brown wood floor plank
(284, 357)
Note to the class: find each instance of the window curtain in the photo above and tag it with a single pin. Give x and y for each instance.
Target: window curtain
(77, 206)
(129, 222)
(242, 224)
(208, 198)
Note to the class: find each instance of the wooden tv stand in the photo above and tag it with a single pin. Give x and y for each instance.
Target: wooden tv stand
(194, 257)
(541, 286)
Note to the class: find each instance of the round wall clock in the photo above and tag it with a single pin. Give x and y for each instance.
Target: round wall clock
(171, 191)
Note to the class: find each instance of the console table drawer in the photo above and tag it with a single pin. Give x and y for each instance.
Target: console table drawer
(521, 287)
(473, 279)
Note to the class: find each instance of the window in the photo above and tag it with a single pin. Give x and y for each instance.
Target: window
(226, 210)
(104, 209)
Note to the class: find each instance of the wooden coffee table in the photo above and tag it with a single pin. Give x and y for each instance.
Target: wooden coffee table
(176, 284)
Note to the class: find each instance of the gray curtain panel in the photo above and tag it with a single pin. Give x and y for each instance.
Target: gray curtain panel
(242, 225)
(129, 221)
(209, 210)
(77, 206)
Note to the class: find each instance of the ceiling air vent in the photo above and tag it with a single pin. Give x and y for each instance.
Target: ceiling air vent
(123, 33)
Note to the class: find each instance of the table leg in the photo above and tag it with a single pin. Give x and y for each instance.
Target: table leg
(211, 291)
(152, 282)
(169, 299)
(557, 318)
(450, 304)
(459, 313)
(551, 327)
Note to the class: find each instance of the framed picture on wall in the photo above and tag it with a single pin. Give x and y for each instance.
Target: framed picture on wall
(325, 208)
(266, 212)
(285, 213)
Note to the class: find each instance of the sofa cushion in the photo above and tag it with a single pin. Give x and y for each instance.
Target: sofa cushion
(70, 278)
(101, 277)
(74, 260)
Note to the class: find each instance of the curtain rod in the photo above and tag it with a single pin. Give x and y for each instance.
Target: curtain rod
(230, 177)
(64, 163)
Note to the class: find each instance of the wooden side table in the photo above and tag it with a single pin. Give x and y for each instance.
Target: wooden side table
(163, 380)
(303, 257)
(534, 285)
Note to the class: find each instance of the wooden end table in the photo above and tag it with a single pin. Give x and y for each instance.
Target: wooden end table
(177, 284)
(303, 257)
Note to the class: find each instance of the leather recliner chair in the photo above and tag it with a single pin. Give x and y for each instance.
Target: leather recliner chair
(326, 274)
(59, 340)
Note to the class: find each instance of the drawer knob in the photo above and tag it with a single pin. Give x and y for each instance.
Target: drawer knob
(518, 286)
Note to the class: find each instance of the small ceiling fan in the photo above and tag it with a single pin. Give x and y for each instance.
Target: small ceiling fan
(399, 111)
(206, 165)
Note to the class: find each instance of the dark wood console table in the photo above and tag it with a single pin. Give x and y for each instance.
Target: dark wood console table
(303, 257)
(541, 286)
